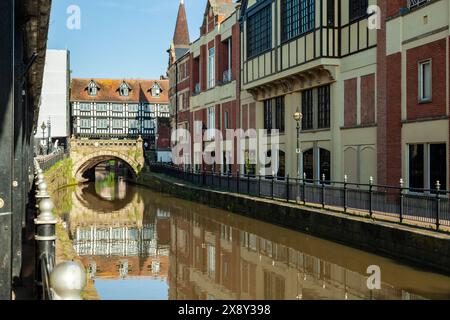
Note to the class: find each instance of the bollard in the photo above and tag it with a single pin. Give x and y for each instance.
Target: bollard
(45, 230)
(67, 281)
(370, 196)
(345, 193)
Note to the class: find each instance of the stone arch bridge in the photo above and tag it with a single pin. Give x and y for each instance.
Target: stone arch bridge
(87, 154)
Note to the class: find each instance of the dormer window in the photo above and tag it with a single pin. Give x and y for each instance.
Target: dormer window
(124, 89)
(92, 88)
(156, 90)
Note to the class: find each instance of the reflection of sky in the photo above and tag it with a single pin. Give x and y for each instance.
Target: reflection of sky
(132, 289)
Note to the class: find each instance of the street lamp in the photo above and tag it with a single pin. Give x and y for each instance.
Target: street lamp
(49, 138)
(298, 116)
(43, 127)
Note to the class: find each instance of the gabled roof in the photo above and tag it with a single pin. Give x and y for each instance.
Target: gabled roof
(140, 90)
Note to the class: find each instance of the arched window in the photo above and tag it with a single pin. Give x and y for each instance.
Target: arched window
(308, 164)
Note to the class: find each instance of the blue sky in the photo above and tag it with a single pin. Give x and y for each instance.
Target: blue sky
(118, 38)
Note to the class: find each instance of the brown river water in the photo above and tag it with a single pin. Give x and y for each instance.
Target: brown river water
(138, 244)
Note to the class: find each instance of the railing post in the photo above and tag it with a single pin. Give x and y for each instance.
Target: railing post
(287, 188)
(370, 196)
(273, 184)
(401, 200)
(228, 180)
(248, 184)
(438, 204)
(259, 186)
(45, 233)
(238, 179)
(323, 191)
(304, 188)
(345, 193)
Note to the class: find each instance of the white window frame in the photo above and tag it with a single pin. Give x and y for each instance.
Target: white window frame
(422, 97)
(211, 68)
(211, 122)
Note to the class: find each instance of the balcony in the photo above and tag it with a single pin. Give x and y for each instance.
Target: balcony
(416, 3)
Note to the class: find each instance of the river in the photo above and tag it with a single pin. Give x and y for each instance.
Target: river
(137, 244)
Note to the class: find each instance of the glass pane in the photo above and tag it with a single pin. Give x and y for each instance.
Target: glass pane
(438, 165)
(325, 164)
(416, 166)
(308, 164)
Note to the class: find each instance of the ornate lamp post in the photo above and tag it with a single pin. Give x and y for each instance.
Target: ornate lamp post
(298, 116)
(43, 127)
(49, 138)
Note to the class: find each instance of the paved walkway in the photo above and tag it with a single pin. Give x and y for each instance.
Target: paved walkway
(376, 216)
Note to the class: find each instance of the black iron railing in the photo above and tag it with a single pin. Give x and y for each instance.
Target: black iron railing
(46, 162)
(425, 206)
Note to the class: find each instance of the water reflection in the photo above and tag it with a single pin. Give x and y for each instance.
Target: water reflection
(180, 250)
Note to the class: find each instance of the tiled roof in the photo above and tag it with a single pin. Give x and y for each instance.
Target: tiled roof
(181, 34)
(108, 90)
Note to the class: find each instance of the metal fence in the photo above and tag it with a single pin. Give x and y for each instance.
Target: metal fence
(46, 162)
(424, 206)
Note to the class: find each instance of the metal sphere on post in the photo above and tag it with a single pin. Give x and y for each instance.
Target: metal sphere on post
(67, 281)
(42, 193)
(46, 230)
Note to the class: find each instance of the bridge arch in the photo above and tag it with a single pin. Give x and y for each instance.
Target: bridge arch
(92, 160)
(87, 154)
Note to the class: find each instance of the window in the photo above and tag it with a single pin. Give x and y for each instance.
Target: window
(211, 123)
(133, 124)
(307, 109)
(358, 9)
(102, 123)
(133, 107)
(316, 108)
(325, 164)
(316, 164)
(211, 68)
(225, 120)
(297, 17)
(427, 165)
(416, 166)
(425, 81)
(117, 123)
(438, 165)
(308, 164)
(116, 107)
(180, 102)
(85, 123)
(274, 115)
(124, 90)
(156, 90)
(323, 107)
(102, 107)
(85, 107)
(259, 32)
(92, 88)
(330, 12)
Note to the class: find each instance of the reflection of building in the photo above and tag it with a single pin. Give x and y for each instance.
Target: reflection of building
(54, 103)
(129, 239)
(122, 109)
(211, 260)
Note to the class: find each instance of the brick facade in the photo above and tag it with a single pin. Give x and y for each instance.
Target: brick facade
(350, 104)
(436, 52)
(368, 100)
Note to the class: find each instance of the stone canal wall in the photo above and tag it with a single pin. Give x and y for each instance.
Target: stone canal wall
(424, 248)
